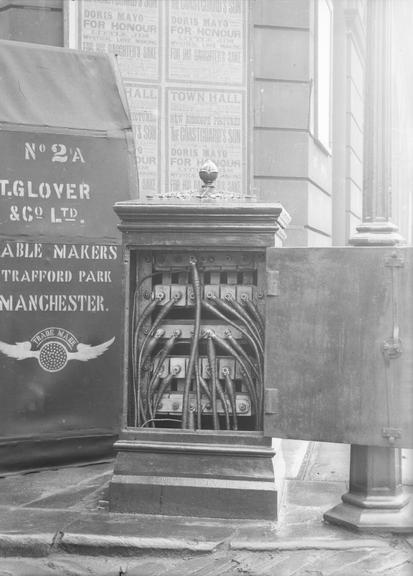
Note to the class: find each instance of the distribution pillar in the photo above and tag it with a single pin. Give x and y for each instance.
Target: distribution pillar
(192, 439)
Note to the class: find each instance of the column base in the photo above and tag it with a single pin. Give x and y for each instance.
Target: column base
(203, 474)
(379, 232)
(397, 520)
(382, 502)
(377, 500)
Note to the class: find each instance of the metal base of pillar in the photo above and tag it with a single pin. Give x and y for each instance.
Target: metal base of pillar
(378, 519)
(203, 474)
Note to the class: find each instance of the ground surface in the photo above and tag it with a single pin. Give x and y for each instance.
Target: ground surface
(396, 561)
(51, 524)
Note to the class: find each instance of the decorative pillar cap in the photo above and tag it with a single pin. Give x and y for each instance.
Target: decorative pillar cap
(214, 225)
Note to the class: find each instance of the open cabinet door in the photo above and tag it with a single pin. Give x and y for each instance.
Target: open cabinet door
(339, 358)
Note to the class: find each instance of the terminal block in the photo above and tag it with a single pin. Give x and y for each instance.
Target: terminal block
(196, 348)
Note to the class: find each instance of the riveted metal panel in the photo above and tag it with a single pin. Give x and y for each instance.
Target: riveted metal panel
(339, 342)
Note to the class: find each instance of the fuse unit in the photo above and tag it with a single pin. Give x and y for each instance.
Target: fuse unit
(196, 340)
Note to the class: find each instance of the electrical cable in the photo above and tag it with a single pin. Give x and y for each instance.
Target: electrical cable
(259, 357)
(166, 382)
(136, 329)
(258, 373)
(149, 386)
(232, 397)
(257, 321)
(147, 311)
(234, 343)
(135, 302)
(157, 273)
(253, 310)
(205, 387)
(212, 359)
(152, 388)
(163, 353)
(194, 342)
(191, 419)
(225, 307)
(160, 420)
(249, 323)
(198, 395)
(151, 343)
(161, 315)
(221, 395)
(208, 306)
(255, 326)
(250, 384)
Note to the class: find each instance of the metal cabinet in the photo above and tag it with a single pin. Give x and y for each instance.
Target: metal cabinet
(191, 441)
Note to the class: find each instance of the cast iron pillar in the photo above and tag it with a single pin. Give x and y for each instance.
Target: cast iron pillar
(376, 500)
(168, 463)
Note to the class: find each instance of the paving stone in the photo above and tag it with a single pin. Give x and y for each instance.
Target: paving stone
(315, 494)
(75, 496)
(260, 563)
(21, 489)
(222, 563)
(313, 527)
(55, 511)
(293, 452)
(406, 569)
(133, 533)
(281, 564)
(33, 521)
(63, 565)
(382, 561)
(25, 567)
(326, 462)
(201, 566)
(146, 568)
(342, 559)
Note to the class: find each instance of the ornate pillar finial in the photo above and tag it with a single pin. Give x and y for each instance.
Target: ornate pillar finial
(208, 174)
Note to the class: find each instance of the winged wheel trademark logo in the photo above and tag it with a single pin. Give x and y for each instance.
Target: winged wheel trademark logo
(54, 348)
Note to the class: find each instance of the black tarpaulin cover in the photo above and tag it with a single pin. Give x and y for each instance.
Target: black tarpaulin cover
(57, 87)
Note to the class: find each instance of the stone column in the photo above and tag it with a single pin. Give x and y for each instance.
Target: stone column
(377, 229)
(376, 500)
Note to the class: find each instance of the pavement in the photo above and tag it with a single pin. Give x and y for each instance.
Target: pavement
(52, 522)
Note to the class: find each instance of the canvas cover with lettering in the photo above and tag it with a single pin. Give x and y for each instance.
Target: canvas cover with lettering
(66, 156)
